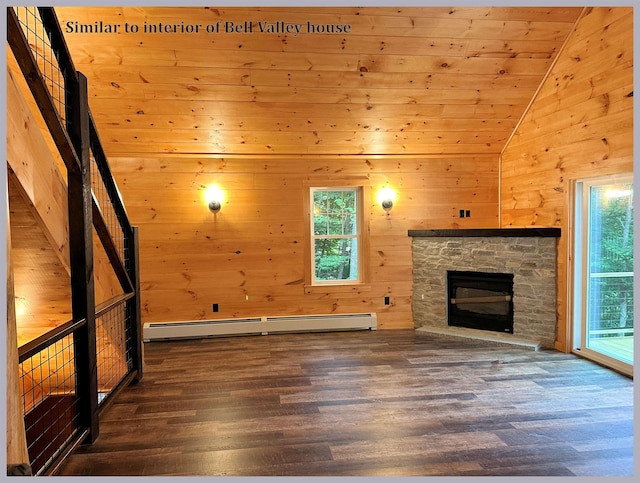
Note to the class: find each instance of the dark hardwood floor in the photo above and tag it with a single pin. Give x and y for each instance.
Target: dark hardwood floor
(381, 403)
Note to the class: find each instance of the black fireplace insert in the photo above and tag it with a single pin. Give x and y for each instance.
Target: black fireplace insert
(480, 300)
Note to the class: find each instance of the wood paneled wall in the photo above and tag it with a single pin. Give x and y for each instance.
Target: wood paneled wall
(42, 284)
(30, 157)
(39, 220)
(249, 258)
(16, 445)
(580, 125)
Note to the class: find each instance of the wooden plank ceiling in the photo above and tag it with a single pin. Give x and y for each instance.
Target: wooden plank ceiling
(420, 80)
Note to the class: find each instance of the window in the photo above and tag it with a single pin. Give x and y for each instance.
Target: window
(336, 235)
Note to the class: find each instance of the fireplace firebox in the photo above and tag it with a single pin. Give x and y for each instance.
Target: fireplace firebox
(480, 300)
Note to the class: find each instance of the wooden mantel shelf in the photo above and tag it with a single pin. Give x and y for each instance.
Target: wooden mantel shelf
(488, 232)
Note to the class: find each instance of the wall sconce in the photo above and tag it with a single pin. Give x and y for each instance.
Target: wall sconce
(386, 197)
(214, 197)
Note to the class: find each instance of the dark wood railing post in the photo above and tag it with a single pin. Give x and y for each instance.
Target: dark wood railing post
(81, 254)
(133, 305)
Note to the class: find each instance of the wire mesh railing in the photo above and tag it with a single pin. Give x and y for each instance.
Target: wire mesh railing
(68, 374)
(48, 390)
(107, 195)
(106, 207)
(46, 55)
(114, 345)
(38, 39)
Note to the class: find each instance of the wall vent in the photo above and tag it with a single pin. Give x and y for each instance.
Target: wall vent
(257, 325)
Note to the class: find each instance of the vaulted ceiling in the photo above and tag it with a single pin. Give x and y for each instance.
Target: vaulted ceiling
(420, 80)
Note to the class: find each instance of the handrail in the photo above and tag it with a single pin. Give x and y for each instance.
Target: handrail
(110, 304)
(610, 274)
(107, 176)
(47, 339)
(109, 247)
(29, 68)
(616, 330)
(58, 44)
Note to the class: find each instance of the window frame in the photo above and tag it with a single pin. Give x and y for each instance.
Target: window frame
(361, 188)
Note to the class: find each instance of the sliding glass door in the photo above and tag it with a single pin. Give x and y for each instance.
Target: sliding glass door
(603, 299)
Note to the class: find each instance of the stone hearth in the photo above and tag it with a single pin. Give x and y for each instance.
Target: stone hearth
(529, 254)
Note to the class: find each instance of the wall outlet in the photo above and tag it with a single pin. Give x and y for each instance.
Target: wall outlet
(386, 301)
(214, 307)
(467, 213)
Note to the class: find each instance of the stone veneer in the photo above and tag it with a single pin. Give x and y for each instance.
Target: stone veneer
(530, 258)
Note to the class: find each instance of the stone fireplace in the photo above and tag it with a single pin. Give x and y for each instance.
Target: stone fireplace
(529, 254)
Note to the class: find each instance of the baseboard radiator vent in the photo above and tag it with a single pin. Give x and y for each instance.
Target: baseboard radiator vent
(257, 325)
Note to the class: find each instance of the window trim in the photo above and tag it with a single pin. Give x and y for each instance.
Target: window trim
(363, 208)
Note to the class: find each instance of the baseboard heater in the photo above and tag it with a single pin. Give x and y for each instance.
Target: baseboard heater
(257, 325)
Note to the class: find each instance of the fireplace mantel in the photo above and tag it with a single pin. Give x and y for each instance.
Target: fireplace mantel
(488, 232)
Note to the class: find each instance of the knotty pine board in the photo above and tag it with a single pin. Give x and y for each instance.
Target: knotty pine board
(587, 101)
(255, 246)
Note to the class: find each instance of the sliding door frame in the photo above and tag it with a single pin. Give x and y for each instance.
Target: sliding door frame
(577, 286)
